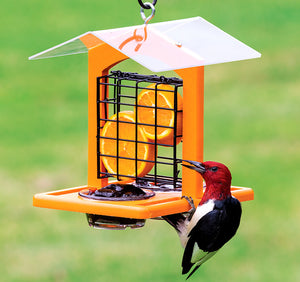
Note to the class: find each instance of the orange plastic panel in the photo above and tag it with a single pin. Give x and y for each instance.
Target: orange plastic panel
(101, 59)
(161, 204)
(90, 40)
(193, 113)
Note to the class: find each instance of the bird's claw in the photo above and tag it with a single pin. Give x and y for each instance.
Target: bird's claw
(191, 202)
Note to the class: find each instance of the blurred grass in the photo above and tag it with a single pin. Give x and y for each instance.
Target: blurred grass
(251, 124)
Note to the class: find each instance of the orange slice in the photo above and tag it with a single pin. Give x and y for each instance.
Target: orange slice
(126, 149)
(165, 117)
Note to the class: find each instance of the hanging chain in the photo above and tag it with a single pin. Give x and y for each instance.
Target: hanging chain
(145, 5)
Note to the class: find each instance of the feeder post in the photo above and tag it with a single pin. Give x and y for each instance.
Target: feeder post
(193, 115)
(100, 59)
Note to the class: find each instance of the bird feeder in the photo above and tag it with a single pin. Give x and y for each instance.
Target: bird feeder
(183, 46)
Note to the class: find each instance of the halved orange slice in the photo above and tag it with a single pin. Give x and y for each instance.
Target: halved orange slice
(165, 114)
(125, 149)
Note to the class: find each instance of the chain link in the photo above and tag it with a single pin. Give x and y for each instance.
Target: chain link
(146, 6)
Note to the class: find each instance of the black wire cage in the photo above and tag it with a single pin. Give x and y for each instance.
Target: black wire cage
(121, 92)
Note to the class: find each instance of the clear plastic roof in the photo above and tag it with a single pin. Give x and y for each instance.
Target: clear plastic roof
(164, 46)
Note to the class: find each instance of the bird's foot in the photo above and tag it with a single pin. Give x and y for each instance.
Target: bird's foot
(191, 202)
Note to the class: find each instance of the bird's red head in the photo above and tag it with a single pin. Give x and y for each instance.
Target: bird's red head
(217, 178)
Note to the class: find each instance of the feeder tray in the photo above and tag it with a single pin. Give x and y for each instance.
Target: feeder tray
(117, 192)
(184, 46)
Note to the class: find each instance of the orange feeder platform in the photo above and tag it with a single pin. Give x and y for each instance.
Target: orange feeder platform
(184, 46)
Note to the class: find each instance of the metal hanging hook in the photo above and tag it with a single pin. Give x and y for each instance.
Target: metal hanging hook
(147, 19)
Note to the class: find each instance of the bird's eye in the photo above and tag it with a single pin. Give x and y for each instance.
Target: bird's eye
(214, 168)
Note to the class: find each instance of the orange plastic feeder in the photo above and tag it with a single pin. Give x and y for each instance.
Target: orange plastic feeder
(184, 46)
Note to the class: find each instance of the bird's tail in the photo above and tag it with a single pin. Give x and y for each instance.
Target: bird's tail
(195, 268)
(188, 265)
(187, 257)
(175, 220)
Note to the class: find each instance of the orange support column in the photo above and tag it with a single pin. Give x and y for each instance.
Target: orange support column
(193, 115)
(101, 59)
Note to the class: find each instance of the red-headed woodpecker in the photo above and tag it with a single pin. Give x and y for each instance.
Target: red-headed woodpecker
(213, 223)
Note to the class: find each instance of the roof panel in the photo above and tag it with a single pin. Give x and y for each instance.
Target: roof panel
(165, 46)
(214, 45)
(151, 48)
(72, 46)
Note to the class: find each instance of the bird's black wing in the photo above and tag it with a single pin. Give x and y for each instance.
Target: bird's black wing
(218, 226)
(213, 230)
(200, 238)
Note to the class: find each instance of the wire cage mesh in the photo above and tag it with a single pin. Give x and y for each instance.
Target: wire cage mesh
(121, 92)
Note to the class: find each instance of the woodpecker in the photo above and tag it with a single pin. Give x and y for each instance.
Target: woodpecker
(215, 220)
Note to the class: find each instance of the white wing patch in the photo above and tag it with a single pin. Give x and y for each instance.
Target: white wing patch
(206, 257)
(198, 254)
(199, 213)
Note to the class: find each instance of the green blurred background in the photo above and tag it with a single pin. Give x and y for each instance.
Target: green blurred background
(251, 124)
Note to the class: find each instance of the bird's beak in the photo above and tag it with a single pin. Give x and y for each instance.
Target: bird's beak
(195, 166)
